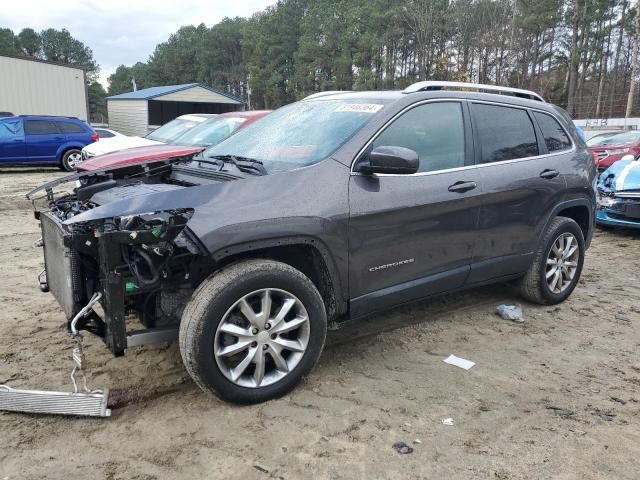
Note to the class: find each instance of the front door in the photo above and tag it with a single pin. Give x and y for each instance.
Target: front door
(12, 147)
(411, 236)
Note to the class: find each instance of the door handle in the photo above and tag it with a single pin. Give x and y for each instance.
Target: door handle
(461, 187)
(549, 174)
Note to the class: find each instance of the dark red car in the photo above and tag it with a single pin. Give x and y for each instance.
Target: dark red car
(192, 142)
(608, 148)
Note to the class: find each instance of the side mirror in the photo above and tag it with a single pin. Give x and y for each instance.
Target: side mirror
(398, 160)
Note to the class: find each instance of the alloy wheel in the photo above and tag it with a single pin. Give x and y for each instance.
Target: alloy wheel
(73, 159)
(562, 263)
(262, 338)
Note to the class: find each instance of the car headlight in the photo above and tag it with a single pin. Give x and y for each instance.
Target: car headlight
(605, 202)
(618, 151)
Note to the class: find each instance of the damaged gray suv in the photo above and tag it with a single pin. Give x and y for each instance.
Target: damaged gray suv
(329, 209)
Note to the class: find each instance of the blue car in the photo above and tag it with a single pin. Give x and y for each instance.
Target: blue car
(42, 140)
(618, 194)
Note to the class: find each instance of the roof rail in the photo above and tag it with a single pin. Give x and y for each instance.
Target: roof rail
(325, 93)
(435, 85)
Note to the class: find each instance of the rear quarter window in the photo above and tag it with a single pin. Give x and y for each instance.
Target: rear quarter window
(70, 127)
(503, 133)
(554, 135)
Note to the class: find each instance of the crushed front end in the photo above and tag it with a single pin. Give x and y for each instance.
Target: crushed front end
(618, 195)
(144, 265)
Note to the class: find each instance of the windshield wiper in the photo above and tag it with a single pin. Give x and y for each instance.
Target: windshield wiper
(243, 163)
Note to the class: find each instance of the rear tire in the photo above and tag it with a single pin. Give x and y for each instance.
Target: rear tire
(232, 349)
(70, 160)
(552, 275)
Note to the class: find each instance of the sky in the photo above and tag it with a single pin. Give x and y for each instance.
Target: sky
(121, 31)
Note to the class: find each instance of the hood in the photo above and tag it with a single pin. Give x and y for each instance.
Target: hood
(137, 155)
(108, 145)
(624, 175)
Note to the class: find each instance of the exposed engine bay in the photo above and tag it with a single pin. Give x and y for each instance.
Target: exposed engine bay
(146, 264)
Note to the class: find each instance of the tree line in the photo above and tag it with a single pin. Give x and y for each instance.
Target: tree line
(576, 53)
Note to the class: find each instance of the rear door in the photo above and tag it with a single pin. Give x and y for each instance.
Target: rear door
(411, 236)
(12, 146)
(42, 140)
(523, 177)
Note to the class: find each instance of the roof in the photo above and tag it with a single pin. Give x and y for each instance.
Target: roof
(153, 92)
(49, 62)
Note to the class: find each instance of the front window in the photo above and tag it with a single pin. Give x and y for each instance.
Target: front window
(299, 134)
(435, 131)
(11, 129)
(624, 138)
(172, 130)
(210, 132)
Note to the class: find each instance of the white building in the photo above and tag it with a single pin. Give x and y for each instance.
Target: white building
(36, 87)
(134, 113)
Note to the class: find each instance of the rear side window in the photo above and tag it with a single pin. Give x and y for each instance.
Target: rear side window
(39, 127)
(554, 135)
(435, 131)
(70, 127)
(504, 133)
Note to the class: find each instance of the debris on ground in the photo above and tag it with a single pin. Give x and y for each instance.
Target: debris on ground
(560, 411)
(261, 469)
(417, 441)
(619, 400)
(448, 421)
(511, 312)
(402, 448)
(607, 417)
(459, 362)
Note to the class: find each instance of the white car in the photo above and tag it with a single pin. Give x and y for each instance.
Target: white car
(165, 134)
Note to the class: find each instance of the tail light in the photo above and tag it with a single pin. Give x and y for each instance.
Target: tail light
(95, 137)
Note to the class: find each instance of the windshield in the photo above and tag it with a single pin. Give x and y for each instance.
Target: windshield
(299, 134)
(614, 139)
(210, 132)
(172, 130)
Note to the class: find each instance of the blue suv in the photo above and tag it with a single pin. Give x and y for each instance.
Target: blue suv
(43, 140)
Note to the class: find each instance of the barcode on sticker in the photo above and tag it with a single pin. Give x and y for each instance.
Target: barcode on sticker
(359, 107)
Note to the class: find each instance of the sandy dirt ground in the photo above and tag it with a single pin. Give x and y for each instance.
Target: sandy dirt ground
(555, 397)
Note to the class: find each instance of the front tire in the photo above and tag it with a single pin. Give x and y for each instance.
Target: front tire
(557, 264)
(252, 331)
(70, 160)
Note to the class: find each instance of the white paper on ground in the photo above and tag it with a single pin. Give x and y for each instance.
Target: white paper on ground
(459, 362)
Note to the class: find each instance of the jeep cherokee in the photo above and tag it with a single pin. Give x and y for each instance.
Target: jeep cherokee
(329, 209)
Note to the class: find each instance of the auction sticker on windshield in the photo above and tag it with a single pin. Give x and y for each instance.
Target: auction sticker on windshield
(359, 107)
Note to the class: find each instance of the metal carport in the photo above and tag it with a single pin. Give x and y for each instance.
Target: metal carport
(134, 113)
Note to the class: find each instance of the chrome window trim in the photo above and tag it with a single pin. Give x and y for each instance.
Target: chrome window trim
(465, 167)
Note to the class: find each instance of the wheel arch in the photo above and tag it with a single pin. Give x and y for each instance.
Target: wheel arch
(580, 210)
(65, 147)
(307, 254)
